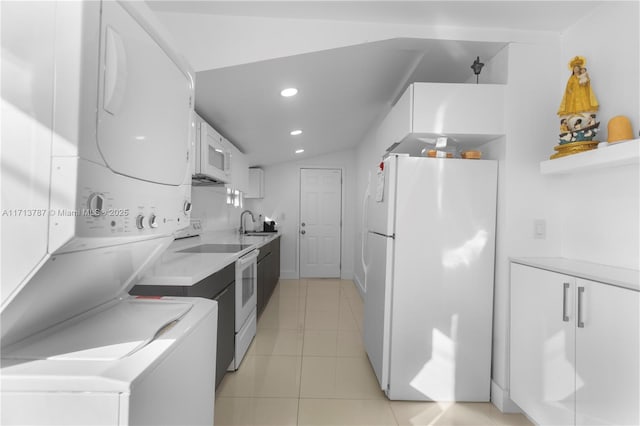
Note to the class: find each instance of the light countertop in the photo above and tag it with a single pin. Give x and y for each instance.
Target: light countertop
(185, 269)
(612, 275)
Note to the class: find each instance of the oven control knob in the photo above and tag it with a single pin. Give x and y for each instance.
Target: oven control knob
(140, 221)
(95, 204)
(153, 221)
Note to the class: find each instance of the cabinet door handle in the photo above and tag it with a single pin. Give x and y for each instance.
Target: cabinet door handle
(565, 291)
(580, 297)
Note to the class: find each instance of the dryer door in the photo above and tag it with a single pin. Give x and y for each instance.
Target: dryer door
(144, 102)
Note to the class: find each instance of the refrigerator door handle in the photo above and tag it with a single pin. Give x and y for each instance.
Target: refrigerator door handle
(365, 227)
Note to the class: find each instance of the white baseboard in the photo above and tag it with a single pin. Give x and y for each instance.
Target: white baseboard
(293, 275)
(500, 398)
(359, 285)
(289, 275)
(346, 275)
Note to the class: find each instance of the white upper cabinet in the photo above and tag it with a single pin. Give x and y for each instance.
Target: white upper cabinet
(256, 183)
(239, 168)
(469, 114)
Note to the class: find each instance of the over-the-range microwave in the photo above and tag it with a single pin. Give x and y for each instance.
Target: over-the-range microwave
(212, 162)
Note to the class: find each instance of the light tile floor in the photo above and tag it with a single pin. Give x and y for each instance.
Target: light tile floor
(307, 366)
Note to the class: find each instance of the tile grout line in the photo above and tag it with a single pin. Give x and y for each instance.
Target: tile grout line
(481, 417)
(304, 323)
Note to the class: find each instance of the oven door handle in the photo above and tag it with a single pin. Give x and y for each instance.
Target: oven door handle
(248, 258)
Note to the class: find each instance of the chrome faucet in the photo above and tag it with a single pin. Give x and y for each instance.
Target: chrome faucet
(242, 230)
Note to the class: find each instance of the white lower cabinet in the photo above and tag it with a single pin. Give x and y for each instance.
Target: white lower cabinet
(542, 380)
(607, 356)
(574, 349)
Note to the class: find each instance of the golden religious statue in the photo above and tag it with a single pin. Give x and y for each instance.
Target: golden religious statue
(577, 112)
(578, 96)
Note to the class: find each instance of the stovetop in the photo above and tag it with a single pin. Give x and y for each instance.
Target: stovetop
(216, 248)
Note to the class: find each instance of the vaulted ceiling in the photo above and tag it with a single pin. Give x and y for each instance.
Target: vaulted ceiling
(349, 81)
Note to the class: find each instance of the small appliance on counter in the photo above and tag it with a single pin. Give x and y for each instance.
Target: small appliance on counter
(269, 226)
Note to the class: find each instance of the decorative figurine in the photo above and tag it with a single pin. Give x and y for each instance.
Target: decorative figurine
(577, 112)
(477, 68)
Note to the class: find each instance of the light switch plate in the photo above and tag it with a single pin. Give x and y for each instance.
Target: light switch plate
(539, 229)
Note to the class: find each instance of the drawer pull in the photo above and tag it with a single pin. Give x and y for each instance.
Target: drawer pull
(565, 290)
(580, 297)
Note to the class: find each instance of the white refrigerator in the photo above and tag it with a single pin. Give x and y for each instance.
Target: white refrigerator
(429, 269)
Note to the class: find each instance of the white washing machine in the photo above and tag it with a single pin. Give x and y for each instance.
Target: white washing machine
(97, 112)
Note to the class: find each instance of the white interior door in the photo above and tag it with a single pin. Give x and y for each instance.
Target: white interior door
(320, 222)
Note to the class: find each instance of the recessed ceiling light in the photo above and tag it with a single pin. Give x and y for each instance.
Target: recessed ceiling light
(295, 132)
(290, 91)
(299, 151)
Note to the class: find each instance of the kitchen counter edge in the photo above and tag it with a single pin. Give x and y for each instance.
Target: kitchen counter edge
(612, 275)
(215, 262)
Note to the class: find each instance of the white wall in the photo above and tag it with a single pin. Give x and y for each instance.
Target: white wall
(523, 195)
(282, 203)
(599, 211)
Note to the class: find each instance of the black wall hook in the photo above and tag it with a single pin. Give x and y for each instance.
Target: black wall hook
(477, 68)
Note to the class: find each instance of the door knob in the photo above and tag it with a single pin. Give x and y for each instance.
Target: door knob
(303, 232)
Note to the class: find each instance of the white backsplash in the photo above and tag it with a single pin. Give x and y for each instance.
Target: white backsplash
(209, 205)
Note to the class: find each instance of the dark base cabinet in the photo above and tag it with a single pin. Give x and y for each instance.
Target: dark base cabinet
(268, 272)
(226, 348)
(219, 287)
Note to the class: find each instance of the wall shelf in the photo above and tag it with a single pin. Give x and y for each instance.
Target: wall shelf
(619, 154)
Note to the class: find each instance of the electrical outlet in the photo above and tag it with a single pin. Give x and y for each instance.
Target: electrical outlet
(539, 229)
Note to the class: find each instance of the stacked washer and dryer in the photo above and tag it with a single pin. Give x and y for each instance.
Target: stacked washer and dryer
(97, 112)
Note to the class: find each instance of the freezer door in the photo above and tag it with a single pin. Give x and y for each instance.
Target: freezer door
(377, 304)
(381, 204)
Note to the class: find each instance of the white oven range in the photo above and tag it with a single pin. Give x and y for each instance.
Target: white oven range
(246, 299)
